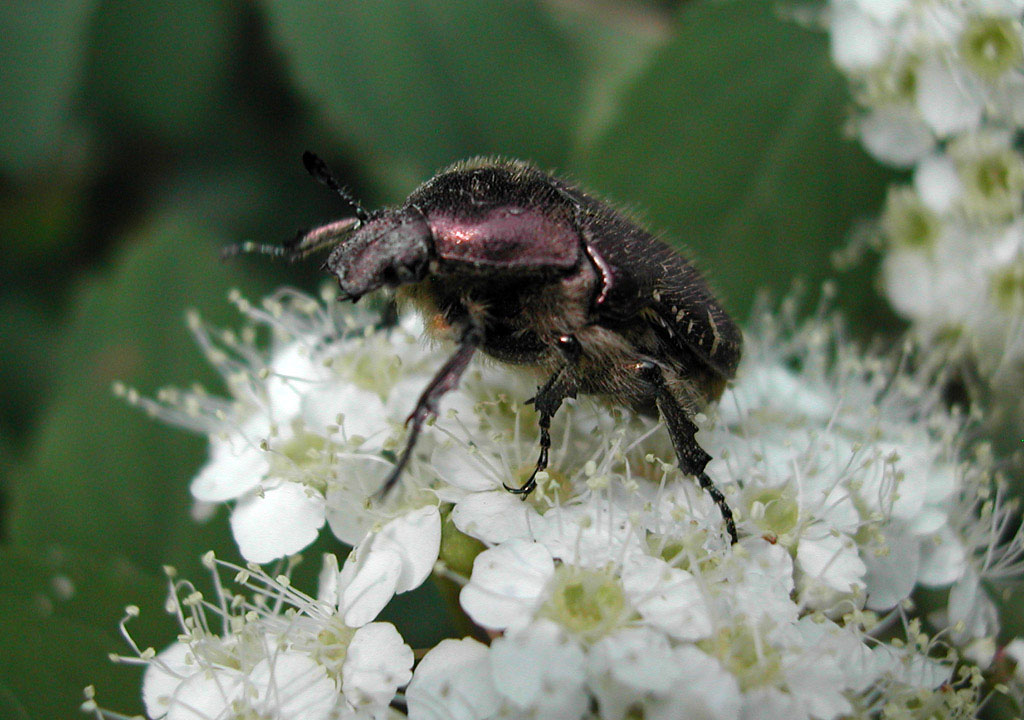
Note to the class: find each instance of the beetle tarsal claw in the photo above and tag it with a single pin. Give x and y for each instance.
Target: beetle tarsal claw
(525, 489)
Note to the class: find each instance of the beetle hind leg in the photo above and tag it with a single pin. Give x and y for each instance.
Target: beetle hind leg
(548, 399)
(692, 457)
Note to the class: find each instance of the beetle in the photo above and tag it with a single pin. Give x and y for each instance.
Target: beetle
(533, 271)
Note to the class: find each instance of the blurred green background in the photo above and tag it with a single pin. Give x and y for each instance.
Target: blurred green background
(138, 137)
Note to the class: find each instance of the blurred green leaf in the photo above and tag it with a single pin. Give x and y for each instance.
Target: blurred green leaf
(414, 85)
(616, 42)
(60, 622)
(731, 141)
(27, 336)
(101, 474)
(161, 65)
(42, 57)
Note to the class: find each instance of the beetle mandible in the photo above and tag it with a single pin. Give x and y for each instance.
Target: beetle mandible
(529, 269)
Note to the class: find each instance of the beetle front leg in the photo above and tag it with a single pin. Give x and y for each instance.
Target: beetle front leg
(692, 457)
(446, 379)
(548, 399)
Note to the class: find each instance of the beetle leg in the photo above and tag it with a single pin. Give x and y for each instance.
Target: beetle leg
(547, 401)
(692, 457)
(447, 378)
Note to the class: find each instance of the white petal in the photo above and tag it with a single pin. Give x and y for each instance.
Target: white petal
(589, 535)
(368, 582)
(628, 666)
(292, 375)
(703, 689)
(464, 469)
(830, 561)
(949, 98)
(668, 598)
(943, 559)
(970, 604)
(858, 40)
(163, 676)
(281, 522)
(506, 583)
(891, 576)
(236, 466)
(327, 585)
(293, 685)
(206, 694)
(378, 662)
(363, 412)
(540, 670)
(453, 682)
(356, 479)
(416, 537)
(937, 182)
(769, 703)
(885, 11)
(896, 136)
(765, 583)
(818, 680)
(495, 517)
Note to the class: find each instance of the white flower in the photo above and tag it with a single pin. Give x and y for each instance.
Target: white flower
(309, 433)
(279, 654)
(939, 87)
(395, 559)
(614, 589)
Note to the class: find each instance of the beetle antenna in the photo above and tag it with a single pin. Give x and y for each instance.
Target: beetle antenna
(323, 175)
(302, 245)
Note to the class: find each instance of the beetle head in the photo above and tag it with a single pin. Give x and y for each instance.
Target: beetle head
(391, 249)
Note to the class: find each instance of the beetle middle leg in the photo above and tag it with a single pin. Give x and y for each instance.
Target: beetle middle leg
(446, 379)
(548, 399)
(692, 457)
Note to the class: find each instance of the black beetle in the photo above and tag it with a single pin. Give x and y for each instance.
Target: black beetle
(507, 259)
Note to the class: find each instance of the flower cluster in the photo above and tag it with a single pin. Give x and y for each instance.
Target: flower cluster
(939, 86)
(275, 652)
(613, 591)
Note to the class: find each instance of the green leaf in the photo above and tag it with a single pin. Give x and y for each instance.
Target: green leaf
(60, 614)
(100, 474)
(414, 85)
(27, 336)
(160, 65)
(42, 56)
(731, 142)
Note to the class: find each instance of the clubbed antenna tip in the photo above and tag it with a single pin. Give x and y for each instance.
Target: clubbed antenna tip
(323, 175)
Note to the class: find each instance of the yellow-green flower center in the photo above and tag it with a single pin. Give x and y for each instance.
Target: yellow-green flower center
(1008, 288)
(775, 510)
(752, 661)
(907, 222)
(553, 485)
(332, 646)
(994, 183)
(991, 46)
(588, 603)
(890, 83)
(303, 458)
